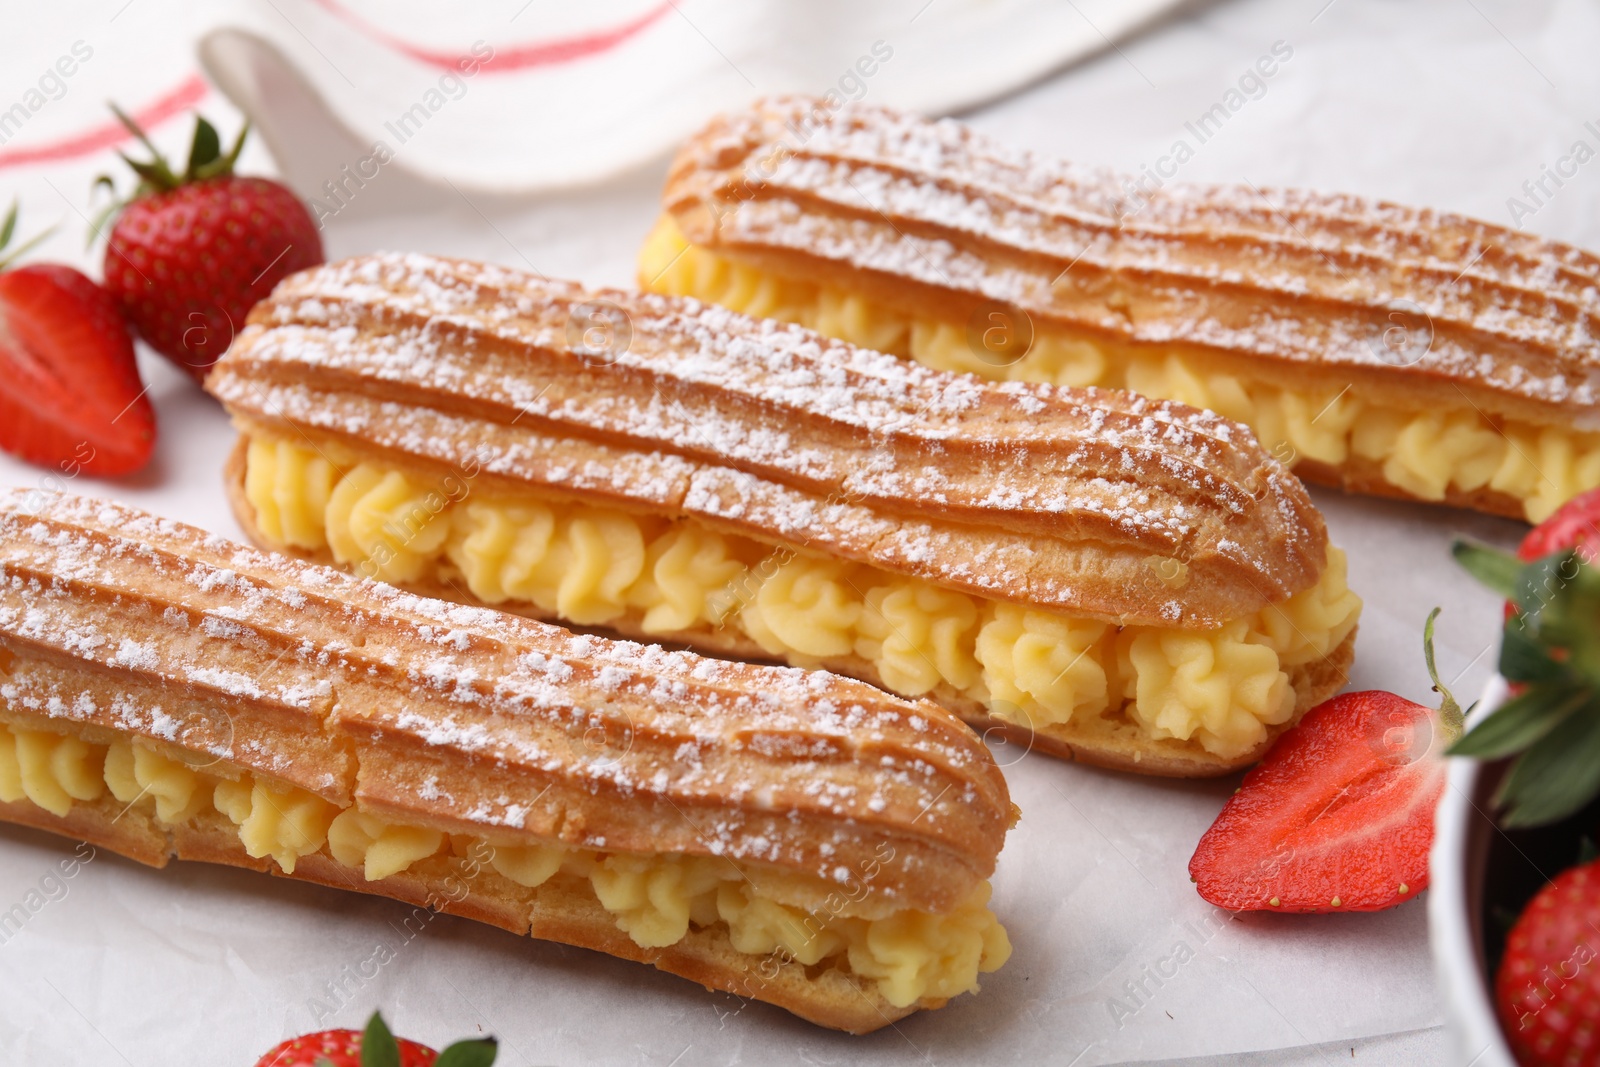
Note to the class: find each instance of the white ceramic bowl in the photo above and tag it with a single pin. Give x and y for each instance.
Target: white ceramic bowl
(1461, 838)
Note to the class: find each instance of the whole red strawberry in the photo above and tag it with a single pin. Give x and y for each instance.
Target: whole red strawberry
(1548, 988)
(1576, 524)
(70, 395)
(374, 1047)
(1339, 814)
(191, 253)
(1550, 655)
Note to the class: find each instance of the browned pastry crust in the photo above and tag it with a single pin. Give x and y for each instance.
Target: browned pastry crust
(115, 624)
(561, 910)
(1046, 496)
(1295, 288)
(1110, 740)
(1035, 494)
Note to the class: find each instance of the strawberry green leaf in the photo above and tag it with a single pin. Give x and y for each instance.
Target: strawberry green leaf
(476, 1053)
(224, 164)
(1496, 569)
(135, 129)
(1568, 621)
(1558, 775)
(162, 176)
(1516, 724)
(378, 1046)
(1587, 852)
(220, 167)
(8, 227)
(1539, 584)
(151, 175)
(1550, 651)
(205, 150)
(1524, 657)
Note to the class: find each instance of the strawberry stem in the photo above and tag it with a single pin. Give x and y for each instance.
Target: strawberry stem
(206, 161)
(1449, 710)
(7, 229)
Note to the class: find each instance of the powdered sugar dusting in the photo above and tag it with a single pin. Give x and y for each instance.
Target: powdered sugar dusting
(1280, 274)
(777, 431)
(204, 640)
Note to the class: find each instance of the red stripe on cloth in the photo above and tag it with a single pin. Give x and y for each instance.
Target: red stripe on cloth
(520, 57)
(179, 100)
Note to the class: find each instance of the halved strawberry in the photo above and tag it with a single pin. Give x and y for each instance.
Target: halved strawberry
(1339, 815)
(70, 394)
(374, 1047)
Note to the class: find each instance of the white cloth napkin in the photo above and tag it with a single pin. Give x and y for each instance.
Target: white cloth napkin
(528, 94)
(506, 96)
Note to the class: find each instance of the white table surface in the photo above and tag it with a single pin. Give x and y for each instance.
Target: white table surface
(1452, 103)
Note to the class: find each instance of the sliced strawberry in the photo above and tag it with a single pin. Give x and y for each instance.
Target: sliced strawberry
(70, 394)
(1337, 817)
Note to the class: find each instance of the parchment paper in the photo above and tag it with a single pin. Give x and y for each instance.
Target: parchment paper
(1116, 959)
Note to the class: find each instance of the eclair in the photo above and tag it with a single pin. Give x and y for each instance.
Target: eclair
(1128, 582)
(1391, 351)
(784, 835)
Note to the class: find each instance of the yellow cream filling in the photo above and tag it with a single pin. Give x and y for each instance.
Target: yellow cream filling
(910, 954)
(1425, 454)
(1221, 689)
